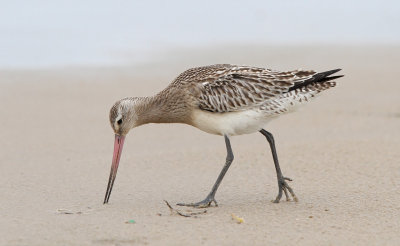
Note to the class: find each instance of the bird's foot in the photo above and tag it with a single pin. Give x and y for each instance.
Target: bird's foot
(283, 186)
(202, 204)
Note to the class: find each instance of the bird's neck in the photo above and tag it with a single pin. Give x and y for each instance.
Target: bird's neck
(161, 108)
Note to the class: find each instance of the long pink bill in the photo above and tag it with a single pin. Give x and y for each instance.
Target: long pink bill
(118, 144)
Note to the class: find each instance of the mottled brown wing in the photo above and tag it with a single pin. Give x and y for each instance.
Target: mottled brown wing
(241, 88)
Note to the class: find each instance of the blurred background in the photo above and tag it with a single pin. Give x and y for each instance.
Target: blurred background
(63, 64)
(43, 33)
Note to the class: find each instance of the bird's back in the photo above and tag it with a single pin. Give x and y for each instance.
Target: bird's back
(246, 97)
(229, 88)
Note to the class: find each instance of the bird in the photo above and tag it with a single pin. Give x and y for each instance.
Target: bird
(225, 100)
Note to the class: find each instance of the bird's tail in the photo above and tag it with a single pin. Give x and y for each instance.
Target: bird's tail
(318, 78)
(305, 90)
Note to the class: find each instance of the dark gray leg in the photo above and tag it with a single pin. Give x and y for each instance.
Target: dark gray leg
(283, 186)
(210, 198)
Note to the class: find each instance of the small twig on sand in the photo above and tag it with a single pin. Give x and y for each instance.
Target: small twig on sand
(67, 211)
(182, 214)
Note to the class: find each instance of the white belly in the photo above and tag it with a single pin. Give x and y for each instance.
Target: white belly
(232, 123)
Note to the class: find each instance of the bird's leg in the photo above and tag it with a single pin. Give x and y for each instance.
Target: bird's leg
(210, 198)
(282, 184)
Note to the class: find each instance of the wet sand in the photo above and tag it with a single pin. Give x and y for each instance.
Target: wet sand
(342, 152)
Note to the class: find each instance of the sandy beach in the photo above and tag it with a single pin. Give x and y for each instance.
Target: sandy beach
(342, 152)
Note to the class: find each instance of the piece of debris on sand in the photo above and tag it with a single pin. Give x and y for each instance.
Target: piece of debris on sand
(237, 219)
(191, 214)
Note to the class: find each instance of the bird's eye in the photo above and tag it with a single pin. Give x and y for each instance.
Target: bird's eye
(119, 121)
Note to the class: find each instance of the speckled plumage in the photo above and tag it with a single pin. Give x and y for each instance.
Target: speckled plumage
(229, 88)
(222, 90)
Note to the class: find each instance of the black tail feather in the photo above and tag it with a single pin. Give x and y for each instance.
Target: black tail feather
(317, 78)
(330, 78)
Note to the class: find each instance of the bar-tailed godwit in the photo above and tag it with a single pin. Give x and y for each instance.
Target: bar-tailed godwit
(226, 100)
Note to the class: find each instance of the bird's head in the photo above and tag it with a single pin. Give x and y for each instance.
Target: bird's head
(123, 116)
